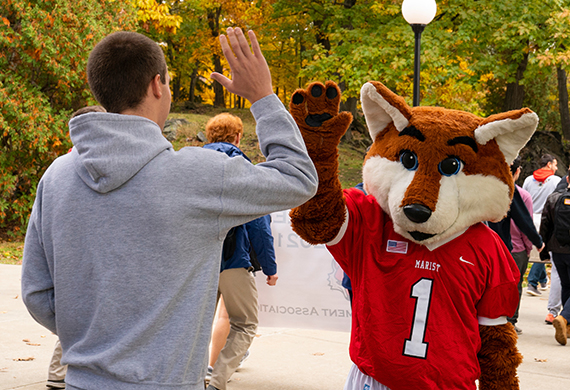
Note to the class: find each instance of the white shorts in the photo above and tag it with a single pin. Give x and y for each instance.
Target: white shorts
(358, 381)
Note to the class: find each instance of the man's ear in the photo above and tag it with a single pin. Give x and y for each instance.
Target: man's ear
(156, 86)
(238, 139)
(516, 174)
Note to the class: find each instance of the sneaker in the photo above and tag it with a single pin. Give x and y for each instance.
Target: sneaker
(243, 359)
(517, 329)
(208, 377)
(561, 327)
(55, 384)
(531, 290)
(543, 286)
(549, 318)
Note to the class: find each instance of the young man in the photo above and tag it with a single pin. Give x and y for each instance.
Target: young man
(560, 256)
(123, 248)
(237, 284)
(540, 184)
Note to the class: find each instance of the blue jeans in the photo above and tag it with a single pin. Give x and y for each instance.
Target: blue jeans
(537, 274)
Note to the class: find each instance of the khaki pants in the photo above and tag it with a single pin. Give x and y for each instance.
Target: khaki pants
(56, 370)
(237, 286)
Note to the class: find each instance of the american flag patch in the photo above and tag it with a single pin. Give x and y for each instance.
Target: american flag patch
(397, 246)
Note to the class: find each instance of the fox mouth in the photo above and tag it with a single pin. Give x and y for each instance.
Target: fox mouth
(316, 120)
(419, 236)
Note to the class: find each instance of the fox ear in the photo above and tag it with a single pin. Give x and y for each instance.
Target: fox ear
(382, 107)
(511, 130)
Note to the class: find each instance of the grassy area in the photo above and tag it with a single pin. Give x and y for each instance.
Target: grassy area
(11, 252)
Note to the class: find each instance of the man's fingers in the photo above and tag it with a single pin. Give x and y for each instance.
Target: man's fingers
(250, 75)
(255, 44)
(233, 36)
(226, 49)
(238, 43)
(220, 78)
(243, 44)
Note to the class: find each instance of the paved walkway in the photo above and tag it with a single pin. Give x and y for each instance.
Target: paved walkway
(281, 359)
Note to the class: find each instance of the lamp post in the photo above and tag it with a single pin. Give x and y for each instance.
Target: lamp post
(418, 13)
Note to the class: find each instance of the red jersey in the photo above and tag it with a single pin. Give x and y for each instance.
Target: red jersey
(414, 314)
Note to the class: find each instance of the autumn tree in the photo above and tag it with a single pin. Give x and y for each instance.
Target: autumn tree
(555, 53)
(156, 15)
(43, 53)
(179, 26)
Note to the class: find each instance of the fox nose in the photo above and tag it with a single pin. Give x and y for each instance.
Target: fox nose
(417, 213)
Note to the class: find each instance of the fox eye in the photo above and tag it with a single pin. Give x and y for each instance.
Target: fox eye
(450, 166)
(409, 160)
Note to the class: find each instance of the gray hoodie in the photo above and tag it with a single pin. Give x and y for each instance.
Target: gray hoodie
(123, 248)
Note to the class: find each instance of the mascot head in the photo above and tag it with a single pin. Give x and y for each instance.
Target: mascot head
(437, 171)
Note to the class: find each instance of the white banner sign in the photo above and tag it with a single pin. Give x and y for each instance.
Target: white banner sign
(308, 293)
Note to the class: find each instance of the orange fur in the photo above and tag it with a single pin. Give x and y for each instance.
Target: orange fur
(440, 125)
(319, 220)
(498, 358)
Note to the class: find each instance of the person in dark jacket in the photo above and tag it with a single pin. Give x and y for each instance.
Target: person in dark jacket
(522, 218)
(237, 284)
(561, 258)
(554, 296)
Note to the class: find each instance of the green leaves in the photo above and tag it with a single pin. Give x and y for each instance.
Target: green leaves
(44, 47)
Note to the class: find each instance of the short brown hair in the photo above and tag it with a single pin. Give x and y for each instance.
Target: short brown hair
(121, 67)
(224, 127)
(545, 159)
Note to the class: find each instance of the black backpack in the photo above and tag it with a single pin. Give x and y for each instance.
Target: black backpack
(562, 219)
(230, 247)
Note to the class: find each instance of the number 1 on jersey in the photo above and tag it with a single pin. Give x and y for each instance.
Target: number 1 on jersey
(416, 346)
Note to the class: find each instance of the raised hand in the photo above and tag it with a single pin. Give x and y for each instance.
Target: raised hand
(315, 110)
(251, 77)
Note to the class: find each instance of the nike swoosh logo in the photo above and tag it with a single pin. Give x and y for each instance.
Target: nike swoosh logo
(465, 261)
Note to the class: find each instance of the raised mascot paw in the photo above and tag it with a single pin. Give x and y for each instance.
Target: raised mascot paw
(315, 110)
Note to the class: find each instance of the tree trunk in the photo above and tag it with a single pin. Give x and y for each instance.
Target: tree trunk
(514, 96)
(193, 81)
(320, 36)
(563, 102)
(350, 105)
(219, 100)
(175, 85)
(214, 24)
(176, 81)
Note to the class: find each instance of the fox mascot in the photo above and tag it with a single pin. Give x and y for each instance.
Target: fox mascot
(432, 285)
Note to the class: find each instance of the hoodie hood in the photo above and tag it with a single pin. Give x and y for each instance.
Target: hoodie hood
(109, 149)
(227, 148)
(542, 174)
